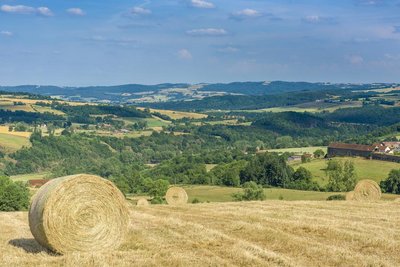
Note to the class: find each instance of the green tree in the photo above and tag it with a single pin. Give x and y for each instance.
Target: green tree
(305, 158)
(392, 183)
(20, 127)
(302, 174)
(251, 191)
(342, 176)
(302, 180)
(319, 153)
(267, 169)
(155, 188)
(228, 174)
(13, 196)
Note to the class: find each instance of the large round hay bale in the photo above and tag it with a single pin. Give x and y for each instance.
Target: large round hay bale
(350, 196)
(367, 190)
(176, 196)
(142, 202)
(79, 213)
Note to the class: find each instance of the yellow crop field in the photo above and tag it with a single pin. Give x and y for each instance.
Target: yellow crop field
(179, 114)
(11, 99)
(4, 130)
(269, 233)
(11, 143)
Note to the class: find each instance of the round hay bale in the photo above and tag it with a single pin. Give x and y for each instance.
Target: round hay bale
(81, 212)
(367, 190)
(350, 196)
(176, 196)
(142, 202)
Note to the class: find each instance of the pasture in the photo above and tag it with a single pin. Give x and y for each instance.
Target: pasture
(176, 115)
(206, 193)
(32, 176)
(10, 143)
(269, 233)
(312, 107)
(366, 169)
(152, 123)
(299, 150)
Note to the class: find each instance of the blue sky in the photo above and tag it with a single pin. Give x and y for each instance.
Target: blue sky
(103, 42)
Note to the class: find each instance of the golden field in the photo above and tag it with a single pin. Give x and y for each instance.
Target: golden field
(176, 115)
(270, 233)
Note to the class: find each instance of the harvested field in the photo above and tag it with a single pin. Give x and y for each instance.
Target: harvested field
(271, 233)
(4, 129)
(11, 143)
(176, 115)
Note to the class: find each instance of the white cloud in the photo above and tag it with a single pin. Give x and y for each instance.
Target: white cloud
(246, 13)
(228, 49)
(356, 59)
(312, 19)
(44, 11)
(6, 33)
(111, 40)
(185, 54)
(370, 2)
(315, 19)
(75, 11)
(20, 9)
(207, 31)
(140, 11)
(202, 4)
(392, 56)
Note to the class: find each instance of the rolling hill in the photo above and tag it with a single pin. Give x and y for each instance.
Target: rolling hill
(167, 92)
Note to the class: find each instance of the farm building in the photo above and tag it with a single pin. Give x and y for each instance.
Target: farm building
(392, 145)
(294, 158)
(352, 150)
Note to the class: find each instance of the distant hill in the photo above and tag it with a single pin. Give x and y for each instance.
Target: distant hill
(277, 87)
(172, 92)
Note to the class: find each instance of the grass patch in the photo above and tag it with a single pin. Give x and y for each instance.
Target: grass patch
(41, 109)
(31, 176)
(300, 150)
(176, 115)
(206, 193)
(224, 194)
(366, 169)
(11, 143)
(151, 122)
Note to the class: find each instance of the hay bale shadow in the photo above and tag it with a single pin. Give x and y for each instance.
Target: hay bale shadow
(29, 245)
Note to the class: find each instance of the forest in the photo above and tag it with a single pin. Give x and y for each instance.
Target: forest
(182, 150)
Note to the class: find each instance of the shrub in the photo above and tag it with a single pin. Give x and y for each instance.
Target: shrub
(195, 201)
(157, 200)
(302, 180)
(336, 197)
(13, 196)
(156, 188)
(319, 153)
(342, 176)
(392, 183)
(251, 191)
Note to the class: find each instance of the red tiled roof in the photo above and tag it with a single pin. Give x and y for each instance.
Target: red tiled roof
(352, 147)
(391, 143)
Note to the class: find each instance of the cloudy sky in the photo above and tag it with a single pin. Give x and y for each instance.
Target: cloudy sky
(103, 42)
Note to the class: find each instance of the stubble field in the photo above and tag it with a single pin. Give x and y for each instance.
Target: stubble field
(270, 233)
